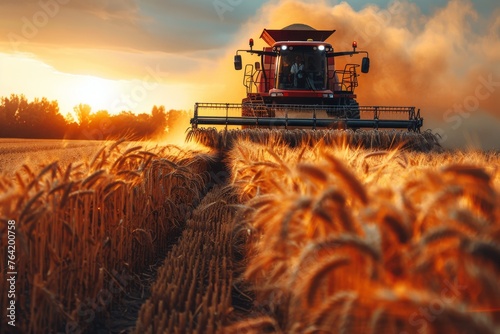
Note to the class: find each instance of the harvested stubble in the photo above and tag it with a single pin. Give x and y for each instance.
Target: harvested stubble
(368, 139)
(354, 241)
(86, 228)
(192, 292)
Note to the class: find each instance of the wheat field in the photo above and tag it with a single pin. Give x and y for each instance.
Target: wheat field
(260, 233)
(83, 230)
(345, 240)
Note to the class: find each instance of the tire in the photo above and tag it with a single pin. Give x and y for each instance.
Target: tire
(352, 110)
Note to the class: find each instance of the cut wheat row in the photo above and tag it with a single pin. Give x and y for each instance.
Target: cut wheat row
(192, 293)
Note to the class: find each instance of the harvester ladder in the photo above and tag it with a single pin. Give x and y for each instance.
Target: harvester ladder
(250, 79)
(257, 105)
(349, 78)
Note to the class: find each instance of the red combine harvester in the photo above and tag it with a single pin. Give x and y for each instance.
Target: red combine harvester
(295, 85)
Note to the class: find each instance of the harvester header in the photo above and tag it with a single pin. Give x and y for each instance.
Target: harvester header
(295, 84)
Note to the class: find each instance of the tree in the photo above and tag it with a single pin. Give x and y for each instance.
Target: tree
(9, 109)
(41, 118)
(83, 112)
(177, 123)
(37, 119)
(69, 118)
(101, 126)
(159, 117)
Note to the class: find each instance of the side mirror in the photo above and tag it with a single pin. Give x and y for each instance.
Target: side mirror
(365, 65)
(237, 62)
(257, 66)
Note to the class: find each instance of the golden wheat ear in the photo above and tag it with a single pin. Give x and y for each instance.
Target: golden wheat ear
(355, 187)
(483, 249)
(313, 276)
(338, 241)
(100, 153)
(333, 314)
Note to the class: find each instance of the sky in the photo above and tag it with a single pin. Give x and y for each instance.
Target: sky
(442, 56)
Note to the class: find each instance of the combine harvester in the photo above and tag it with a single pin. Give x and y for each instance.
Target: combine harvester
(295, 87)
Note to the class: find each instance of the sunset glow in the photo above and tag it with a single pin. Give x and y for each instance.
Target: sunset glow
(94, 91)
(131, 55)
(35, 79)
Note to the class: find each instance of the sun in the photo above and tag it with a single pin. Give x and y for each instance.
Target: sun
(97, 92)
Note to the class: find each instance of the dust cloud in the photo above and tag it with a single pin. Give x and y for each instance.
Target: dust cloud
(445, 63)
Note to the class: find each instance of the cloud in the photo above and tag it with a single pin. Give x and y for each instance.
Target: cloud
(172, 27)
(120, 39)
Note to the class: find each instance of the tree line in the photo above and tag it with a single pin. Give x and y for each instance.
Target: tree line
(42, 119)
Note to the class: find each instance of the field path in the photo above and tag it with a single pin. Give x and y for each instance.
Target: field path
(193, 289)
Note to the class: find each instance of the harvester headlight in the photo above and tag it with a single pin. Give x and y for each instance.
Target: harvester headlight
(328, 95)
(284, 47)
(321, 48)
(276, 94)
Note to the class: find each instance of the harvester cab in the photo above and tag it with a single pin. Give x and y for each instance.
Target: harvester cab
(295, 84)
(299, 69)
